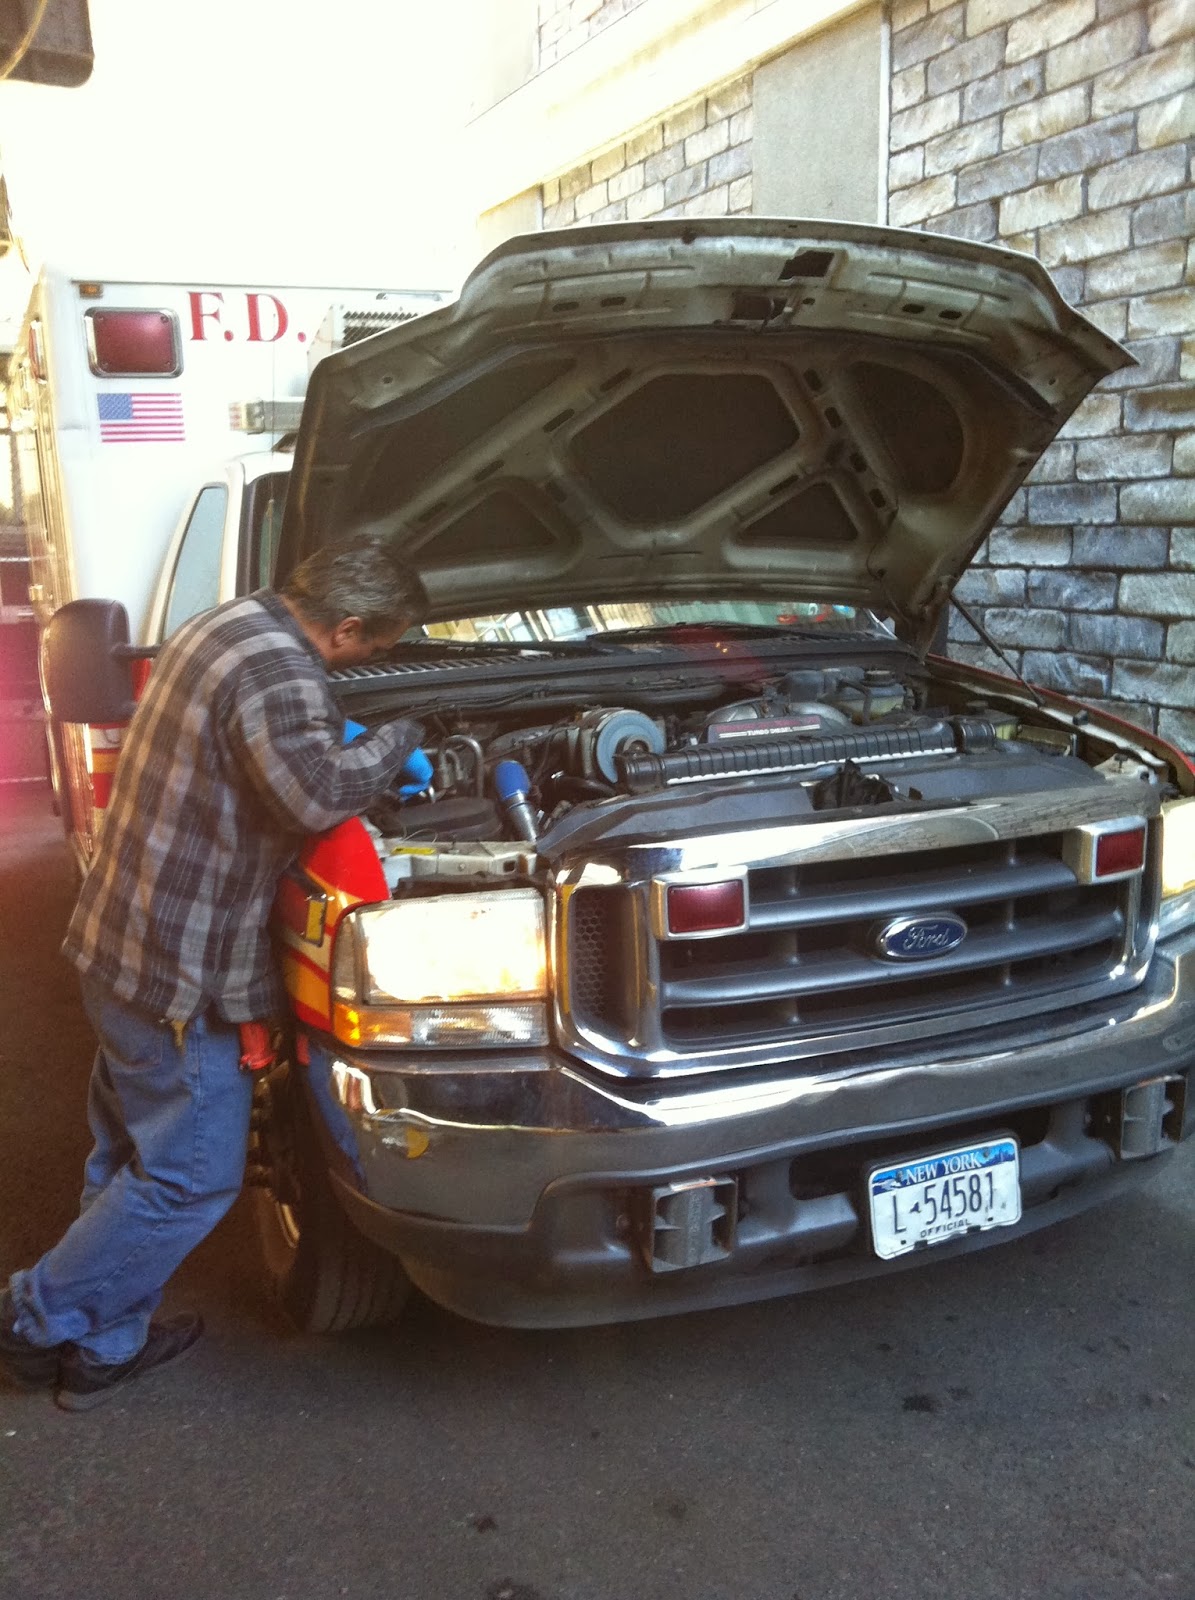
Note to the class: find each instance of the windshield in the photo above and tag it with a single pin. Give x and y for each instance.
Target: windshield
(562, 623)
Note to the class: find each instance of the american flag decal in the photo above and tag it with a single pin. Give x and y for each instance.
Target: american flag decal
(142, 417)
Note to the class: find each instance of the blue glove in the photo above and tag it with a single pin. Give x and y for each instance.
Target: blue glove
(415, 774)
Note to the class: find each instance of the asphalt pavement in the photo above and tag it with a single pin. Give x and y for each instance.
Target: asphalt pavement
(1013, 1425)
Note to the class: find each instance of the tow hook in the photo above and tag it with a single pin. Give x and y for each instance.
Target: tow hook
(689, 1224)
(1144, 1119)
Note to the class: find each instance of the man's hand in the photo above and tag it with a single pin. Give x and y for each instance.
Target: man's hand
(415, 774)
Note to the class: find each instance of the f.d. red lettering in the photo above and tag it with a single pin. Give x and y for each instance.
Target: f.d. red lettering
(200, 312)
(281, 320)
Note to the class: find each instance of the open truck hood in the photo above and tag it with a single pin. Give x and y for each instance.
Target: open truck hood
(733, 409)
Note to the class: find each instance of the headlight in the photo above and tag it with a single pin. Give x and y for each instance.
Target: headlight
(1178, 867)
(457, 970)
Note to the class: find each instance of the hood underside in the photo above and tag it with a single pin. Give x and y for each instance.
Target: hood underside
(706, 408)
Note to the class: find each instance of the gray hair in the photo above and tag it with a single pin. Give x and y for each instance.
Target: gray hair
(360, 577)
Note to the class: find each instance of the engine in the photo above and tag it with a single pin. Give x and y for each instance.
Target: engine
(825, 738)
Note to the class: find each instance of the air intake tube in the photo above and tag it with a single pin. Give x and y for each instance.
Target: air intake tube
(642, 773)
(512, 788)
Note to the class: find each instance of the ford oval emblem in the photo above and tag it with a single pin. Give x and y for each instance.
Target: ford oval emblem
(920, 938)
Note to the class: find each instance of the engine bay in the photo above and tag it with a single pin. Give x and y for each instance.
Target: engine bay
(510, 786)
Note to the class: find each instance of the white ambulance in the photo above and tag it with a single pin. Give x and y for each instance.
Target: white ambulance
(152, 425)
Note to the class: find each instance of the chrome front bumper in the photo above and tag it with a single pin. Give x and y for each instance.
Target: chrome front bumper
(512, 1186)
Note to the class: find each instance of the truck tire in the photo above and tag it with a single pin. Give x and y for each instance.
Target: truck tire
(328, 1277)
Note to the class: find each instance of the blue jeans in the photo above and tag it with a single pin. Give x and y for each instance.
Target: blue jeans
(170, 1129)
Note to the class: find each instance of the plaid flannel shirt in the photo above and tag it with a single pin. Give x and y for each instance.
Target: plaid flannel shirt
(233, 756)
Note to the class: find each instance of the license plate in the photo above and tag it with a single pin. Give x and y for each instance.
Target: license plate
(918, 1203)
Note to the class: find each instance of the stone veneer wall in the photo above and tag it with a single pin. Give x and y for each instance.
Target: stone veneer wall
(694, 163)
(564, 25)
(1066, 130)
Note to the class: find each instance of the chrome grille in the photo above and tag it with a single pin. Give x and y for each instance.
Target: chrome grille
(805, 973)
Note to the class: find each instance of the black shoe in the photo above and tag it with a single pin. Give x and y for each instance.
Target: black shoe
(26, 1365)
(87, 1383)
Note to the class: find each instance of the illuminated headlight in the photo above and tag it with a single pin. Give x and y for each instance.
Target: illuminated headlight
(463, 971)
(1178, 867)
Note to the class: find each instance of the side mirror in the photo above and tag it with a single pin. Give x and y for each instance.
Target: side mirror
(86, 663)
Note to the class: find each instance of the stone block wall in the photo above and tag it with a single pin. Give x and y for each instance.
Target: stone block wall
(694, 163)
(565, 25)
(1066, 130)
